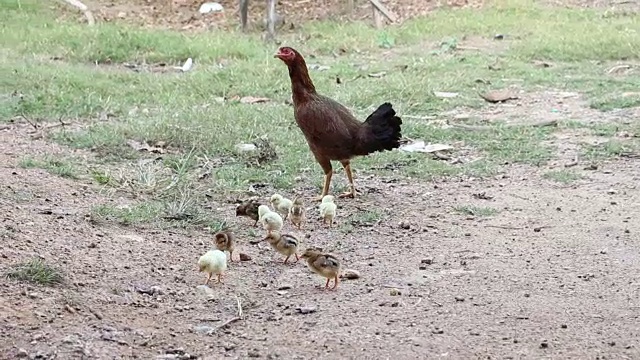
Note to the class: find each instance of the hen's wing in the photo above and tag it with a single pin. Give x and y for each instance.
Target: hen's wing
(329, 127)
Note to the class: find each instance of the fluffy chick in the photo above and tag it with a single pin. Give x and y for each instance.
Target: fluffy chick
(281, 204)
(297, 212)
(323, 264)
(225, 241)
(271, 221)
(328, 210)
(285, 244)
(249, 209)
(213, 262)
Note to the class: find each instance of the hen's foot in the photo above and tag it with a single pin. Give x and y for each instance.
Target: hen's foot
(349, 194)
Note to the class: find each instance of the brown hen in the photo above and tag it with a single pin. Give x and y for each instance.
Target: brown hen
(332, 132)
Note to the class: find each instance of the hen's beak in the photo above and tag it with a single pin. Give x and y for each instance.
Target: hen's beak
(278, 55)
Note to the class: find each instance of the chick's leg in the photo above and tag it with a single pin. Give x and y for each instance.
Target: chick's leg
(335, 282)
(220, 278)
(297, 258)
(287, 259)
(347, 168)
(328, 173)
(208, 279)
(327, 284)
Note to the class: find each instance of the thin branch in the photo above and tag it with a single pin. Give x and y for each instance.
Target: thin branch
(82, 7)
(485, 128)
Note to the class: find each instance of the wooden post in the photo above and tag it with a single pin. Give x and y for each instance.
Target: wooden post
(378, 11)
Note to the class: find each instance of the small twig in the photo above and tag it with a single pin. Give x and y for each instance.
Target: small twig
(486, 128)
(572, 163)
(420, 117)
(239, 307)
(34, 125)
(87, 13)
(440, 156)
(417, 302)
(504, 227)
(382, 9)
(232, 320)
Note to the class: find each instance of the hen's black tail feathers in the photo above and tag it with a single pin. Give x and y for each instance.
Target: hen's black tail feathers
(380, 131)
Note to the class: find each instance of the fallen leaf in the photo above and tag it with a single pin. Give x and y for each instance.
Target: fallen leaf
(496, 96)
(186, 66)
(420, 146)
(319, 67)
(543, 64)
(445, 95)
(378, 74)
(350, 274)
(143, 146)
(244, 257)
(254, 100)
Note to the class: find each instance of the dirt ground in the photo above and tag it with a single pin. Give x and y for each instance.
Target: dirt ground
(554, 274)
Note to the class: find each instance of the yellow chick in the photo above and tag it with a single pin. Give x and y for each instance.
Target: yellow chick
(281, 205)
(322, 264)
(225, 241)
(284, 244)
(297, 212)
(270, 220)
(328, 210)
(213, 262)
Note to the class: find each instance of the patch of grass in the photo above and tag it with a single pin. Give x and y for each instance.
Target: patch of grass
(562, 176)
(36, 271)
(367, 218)
(130, 215)
(608, 103)
(612, 148)
(475, 210)
(200, 132)
(60, 167)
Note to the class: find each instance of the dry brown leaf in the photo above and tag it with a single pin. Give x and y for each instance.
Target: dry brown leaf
(139, 146)
(496, 96)
(254, 100)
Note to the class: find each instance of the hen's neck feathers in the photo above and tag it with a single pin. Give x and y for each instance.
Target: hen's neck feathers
(301, 84)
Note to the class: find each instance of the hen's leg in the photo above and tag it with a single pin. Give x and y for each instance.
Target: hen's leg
(347, 168)
(328, 173)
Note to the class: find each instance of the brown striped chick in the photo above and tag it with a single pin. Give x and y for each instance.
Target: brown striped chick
(325, 265)
(297, 213)
(285, 244)
(249, 209)
(225, 241)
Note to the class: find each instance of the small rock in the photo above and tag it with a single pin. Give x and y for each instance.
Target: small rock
(564, 326)
(422, 267)
(527, 295)
(22, 353)
(544, 344)
(612, 343)
(203, 329)
(394, 292)
(350, 274)
(205, 290)
(306, 309)
(459, 298)
(405, 225)
(437, 331)
(612, 191)
(253, 353)
(604, 251)
(498, 36)
(285, 287)
(244, 257)
(427, 261)
(209, 7)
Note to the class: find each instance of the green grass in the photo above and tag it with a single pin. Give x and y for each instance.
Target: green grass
(562, 176)
(475, 210)
(36, 271)
(199, 132)
(61, 167)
